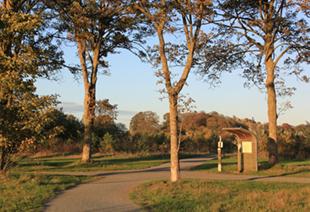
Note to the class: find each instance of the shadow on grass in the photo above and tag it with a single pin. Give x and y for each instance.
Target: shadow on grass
(97, 161)
(208, 166)
(264, 165)
(304, 171)
(46, 164)
(54, 163)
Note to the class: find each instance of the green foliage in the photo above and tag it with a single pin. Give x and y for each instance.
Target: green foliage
(107, 143)
(25, 53)
(198, 195)
(149, 143)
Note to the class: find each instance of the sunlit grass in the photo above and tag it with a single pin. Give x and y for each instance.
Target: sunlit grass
(283, 168)
(99, 163)
(199, 195)
(30, 192)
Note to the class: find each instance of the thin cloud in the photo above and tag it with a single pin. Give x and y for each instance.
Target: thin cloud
(72, 107)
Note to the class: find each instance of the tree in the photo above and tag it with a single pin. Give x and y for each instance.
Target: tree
(26, 52)
(177, 18)
(69, 127)
(144, 123)
(106, 144)
(106, 112)
(98, 28)
(274, 37)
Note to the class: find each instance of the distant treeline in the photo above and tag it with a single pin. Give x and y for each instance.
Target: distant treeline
(199, 133)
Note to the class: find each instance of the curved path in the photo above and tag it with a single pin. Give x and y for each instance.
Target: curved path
(111, 192)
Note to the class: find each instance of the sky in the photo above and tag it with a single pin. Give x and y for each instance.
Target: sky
(132, 86)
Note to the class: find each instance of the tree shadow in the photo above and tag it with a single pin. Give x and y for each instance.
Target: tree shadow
(303, 171)
(46, 163)
(264, 165)
(214, 165)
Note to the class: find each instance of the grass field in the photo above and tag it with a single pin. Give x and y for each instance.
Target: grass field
(26, 189)
(283, 168)
(198, 195)
(30, 192)
(99, 163)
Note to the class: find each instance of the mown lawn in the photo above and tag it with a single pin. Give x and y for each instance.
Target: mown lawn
(199, 195)
(30, 192)
(99, 163)
(283, 168)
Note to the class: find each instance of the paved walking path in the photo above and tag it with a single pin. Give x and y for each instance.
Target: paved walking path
(111, 192)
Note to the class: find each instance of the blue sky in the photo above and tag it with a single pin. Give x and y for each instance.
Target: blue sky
(132, 86)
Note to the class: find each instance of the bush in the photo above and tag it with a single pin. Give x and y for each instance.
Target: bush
(107, 143)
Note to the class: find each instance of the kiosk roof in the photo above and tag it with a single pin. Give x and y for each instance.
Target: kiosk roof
(241, 133)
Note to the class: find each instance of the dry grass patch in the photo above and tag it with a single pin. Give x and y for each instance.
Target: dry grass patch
(199, 195)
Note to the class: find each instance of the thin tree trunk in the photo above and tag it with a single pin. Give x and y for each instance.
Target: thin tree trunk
(272, 112)
(174, 154)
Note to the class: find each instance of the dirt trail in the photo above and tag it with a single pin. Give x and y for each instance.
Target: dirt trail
(111, 192)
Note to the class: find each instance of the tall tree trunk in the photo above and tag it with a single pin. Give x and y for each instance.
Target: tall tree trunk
(88, 121)
(272, 112)
(2, 164)
(174, 154)
(89, 100)
(2, 159)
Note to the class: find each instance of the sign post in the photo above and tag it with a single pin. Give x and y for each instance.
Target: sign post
(219, 154)
(240, 162)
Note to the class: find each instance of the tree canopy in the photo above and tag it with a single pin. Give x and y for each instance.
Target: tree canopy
(144, 123)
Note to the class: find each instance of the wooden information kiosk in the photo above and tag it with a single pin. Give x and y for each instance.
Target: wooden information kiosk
(247, 149)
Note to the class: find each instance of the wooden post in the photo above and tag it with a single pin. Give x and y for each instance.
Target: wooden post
(239, 156)
(219, 154)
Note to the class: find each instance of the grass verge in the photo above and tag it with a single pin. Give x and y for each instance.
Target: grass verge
(283, 168)
(199, 195)
(30, 192)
